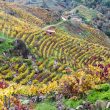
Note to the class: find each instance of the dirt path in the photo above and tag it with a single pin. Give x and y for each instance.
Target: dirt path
(46, 27)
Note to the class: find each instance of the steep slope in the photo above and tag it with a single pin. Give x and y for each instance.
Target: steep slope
(56, 66)
(52, 4)
(15, 24)
(47, 15)
(69, 53)
(86, 32)
(85, 12)
(15, 10)
(60, 46)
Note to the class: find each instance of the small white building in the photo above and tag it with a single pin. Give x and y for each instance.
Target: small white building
(50, 31)
(75, 19)
(64, 18)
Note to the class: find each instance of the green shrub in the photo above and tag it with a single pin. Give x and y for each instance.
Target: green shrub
(46, 106)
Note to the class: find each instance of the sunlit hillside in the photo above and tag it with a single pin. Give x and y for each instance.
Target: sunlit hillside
(52, 57)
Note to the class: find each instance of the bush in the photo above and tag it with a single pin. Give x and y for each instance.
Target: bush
(46, 106)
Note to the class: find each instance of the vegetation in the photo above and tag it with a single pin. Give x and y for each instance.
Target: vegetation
(6, 43)
(89, 13)
(46, 106)
(60, 71)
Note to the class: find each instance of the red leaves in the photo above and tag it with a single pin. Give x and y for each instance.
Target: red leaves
(104, 71)
(3, 85)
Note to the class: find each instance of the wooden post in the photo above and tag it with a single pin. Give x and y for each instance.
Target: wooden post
(8, 106)
(5, 101)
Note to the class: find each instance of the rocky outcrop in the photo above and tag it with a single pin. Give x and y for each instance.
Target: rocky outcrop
(20, 48)
(99, 105)
(2, 40)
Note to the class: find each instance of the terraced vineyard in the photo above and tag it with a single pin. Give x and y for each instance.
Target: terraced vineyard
(62, 47)
(89, 13)
(15, 10)
(57, 65)
(85, 32)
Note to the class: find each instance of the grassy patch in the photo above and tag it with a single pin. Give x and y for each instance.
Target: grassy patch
(72, 103)
(7, 44)
(101, 93)
(46, 105)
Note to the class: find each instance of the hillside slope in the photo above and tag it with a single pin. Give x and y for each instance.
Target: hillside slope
(15, 10)
(59, 66)
(58, 47)
(85, 32)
